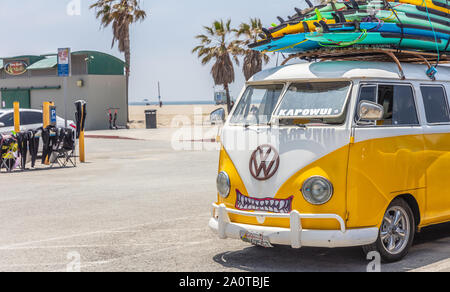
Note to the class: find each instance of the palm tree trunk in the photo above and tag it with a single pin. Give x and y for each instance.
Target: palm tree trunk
(227, 90)
(127, 69)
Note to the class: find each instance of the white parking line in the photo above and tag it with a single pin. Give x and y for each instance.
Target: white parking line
(171, 248)
(442, 266)
(81, 246)
(122, 229)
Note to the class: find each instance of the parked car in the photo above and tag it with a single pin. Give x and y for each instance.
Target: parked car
(29, 120)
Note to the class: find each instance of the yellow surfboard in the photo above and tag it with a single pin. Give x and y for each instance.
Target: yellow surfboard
(299, 27)
(425, 3)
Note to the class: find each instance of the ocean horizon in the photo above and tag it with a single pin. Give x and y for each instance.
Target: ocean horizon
(190, 102)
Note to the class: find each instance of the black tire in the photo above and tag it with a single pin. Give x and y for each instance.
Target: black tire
(404, 244)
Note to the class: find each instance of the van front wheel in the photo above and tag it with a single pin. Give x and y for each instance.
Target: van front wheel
(396, 233)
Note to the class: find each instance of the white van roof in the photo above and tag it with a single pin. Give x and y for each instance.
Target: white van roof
(349, 69)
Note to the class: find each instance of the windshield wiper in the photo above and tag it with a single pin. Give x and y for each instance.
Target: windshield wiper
(301, 126)
(247, 127)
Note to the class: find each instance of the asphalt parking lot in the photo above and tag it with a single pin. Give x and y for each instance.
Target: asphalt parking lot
(141, 206)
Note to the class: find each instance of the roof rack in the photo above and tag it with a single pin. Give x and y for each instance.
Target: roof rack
(361, 53)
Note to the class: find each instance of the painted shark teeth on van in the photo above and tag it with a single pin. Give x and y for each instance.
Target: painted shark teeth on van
(268, 204)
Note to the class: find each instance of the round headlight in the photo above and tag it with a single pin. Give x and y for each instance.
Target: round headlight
(317, 190)
(223, 184)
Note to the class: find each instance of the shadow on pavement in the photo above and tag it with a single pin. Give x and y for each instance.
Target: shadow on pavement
(430, 246)
(432, 233)
(285, 259)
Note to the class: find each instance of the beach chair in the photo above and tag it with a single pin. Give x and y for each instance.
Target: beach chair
(63, 152)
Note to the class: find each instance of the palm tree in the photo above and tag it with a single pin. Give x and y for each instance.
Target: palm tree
(253, 60)
(215, 45)
(121, 14)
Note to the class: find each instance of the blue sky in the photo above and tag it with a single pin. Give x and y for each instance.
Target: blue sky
(161, 45)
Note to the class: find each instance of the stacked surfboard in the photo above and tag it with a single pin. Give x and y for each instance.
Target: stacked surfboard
(421, 25)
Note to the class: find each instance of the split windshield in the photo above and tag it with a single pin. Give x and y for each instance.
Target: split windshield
(315, 102)
(303, 103)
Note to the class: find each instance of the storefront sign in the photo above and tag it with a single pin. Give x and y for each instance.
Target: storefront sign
(64, 62)
(16, 67)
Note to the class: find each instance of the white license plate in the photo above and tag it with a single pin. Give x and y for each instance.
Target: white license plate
(255, 238)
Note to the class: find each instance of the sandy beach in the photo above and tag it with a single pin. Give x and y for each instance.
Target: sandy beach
(173, 115)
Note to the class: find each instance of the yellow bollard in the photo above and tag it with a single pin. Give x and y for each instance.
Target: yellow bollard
(46, 114)
(46, 120)
(16, 117)
(81, 140)
(82, 154)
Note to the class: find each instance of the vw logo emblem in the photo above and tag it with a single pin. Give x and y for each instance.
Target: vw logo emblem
(264, 162)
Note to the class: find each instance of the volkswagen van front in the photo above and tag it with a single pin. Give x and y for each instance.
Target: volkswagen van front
(283, 166)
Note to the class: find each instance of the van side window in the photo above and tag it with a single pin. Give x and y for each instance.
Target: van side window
(436, 106)
(397, 101)
(367, 93)
(404, 108)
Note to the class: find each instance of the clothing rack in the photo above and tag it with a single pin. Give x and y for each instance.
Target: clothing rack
(59, 145)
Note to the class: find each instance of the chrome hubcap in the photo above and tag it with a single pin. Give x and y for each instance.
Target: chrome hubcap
(395, 230)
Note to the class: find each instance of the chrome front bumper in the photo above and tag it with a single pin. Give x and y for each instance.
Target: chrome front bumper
(295, 236)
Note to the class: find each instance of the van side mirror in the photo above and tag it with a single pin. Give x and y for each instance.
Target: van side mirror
(370, 111)
(217, 116)
(2, 125)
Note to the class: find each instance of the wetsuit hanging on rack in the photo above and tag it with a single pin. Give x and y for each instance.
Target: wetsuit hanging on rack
(33, 144)
(23, 139)
(49, 139)
(68, 140)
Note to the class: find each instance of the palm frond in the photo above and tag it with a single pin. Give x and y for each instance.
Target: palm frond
(120, 14)
(217, 46)
(253, 60)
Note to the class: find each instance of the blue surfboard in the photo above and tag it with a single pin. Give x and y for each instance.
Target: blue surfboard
(407, 29)
(291, 43)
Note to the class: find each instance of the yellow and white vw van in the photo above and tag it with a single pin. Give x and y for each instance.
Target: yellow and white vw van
(336, 154)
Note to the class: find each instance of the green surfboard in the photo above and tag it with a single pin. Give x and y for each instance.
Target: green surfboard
(343, 39)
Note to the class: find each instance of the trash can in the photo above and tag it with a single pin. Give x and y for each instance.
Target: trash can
(150, 119)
